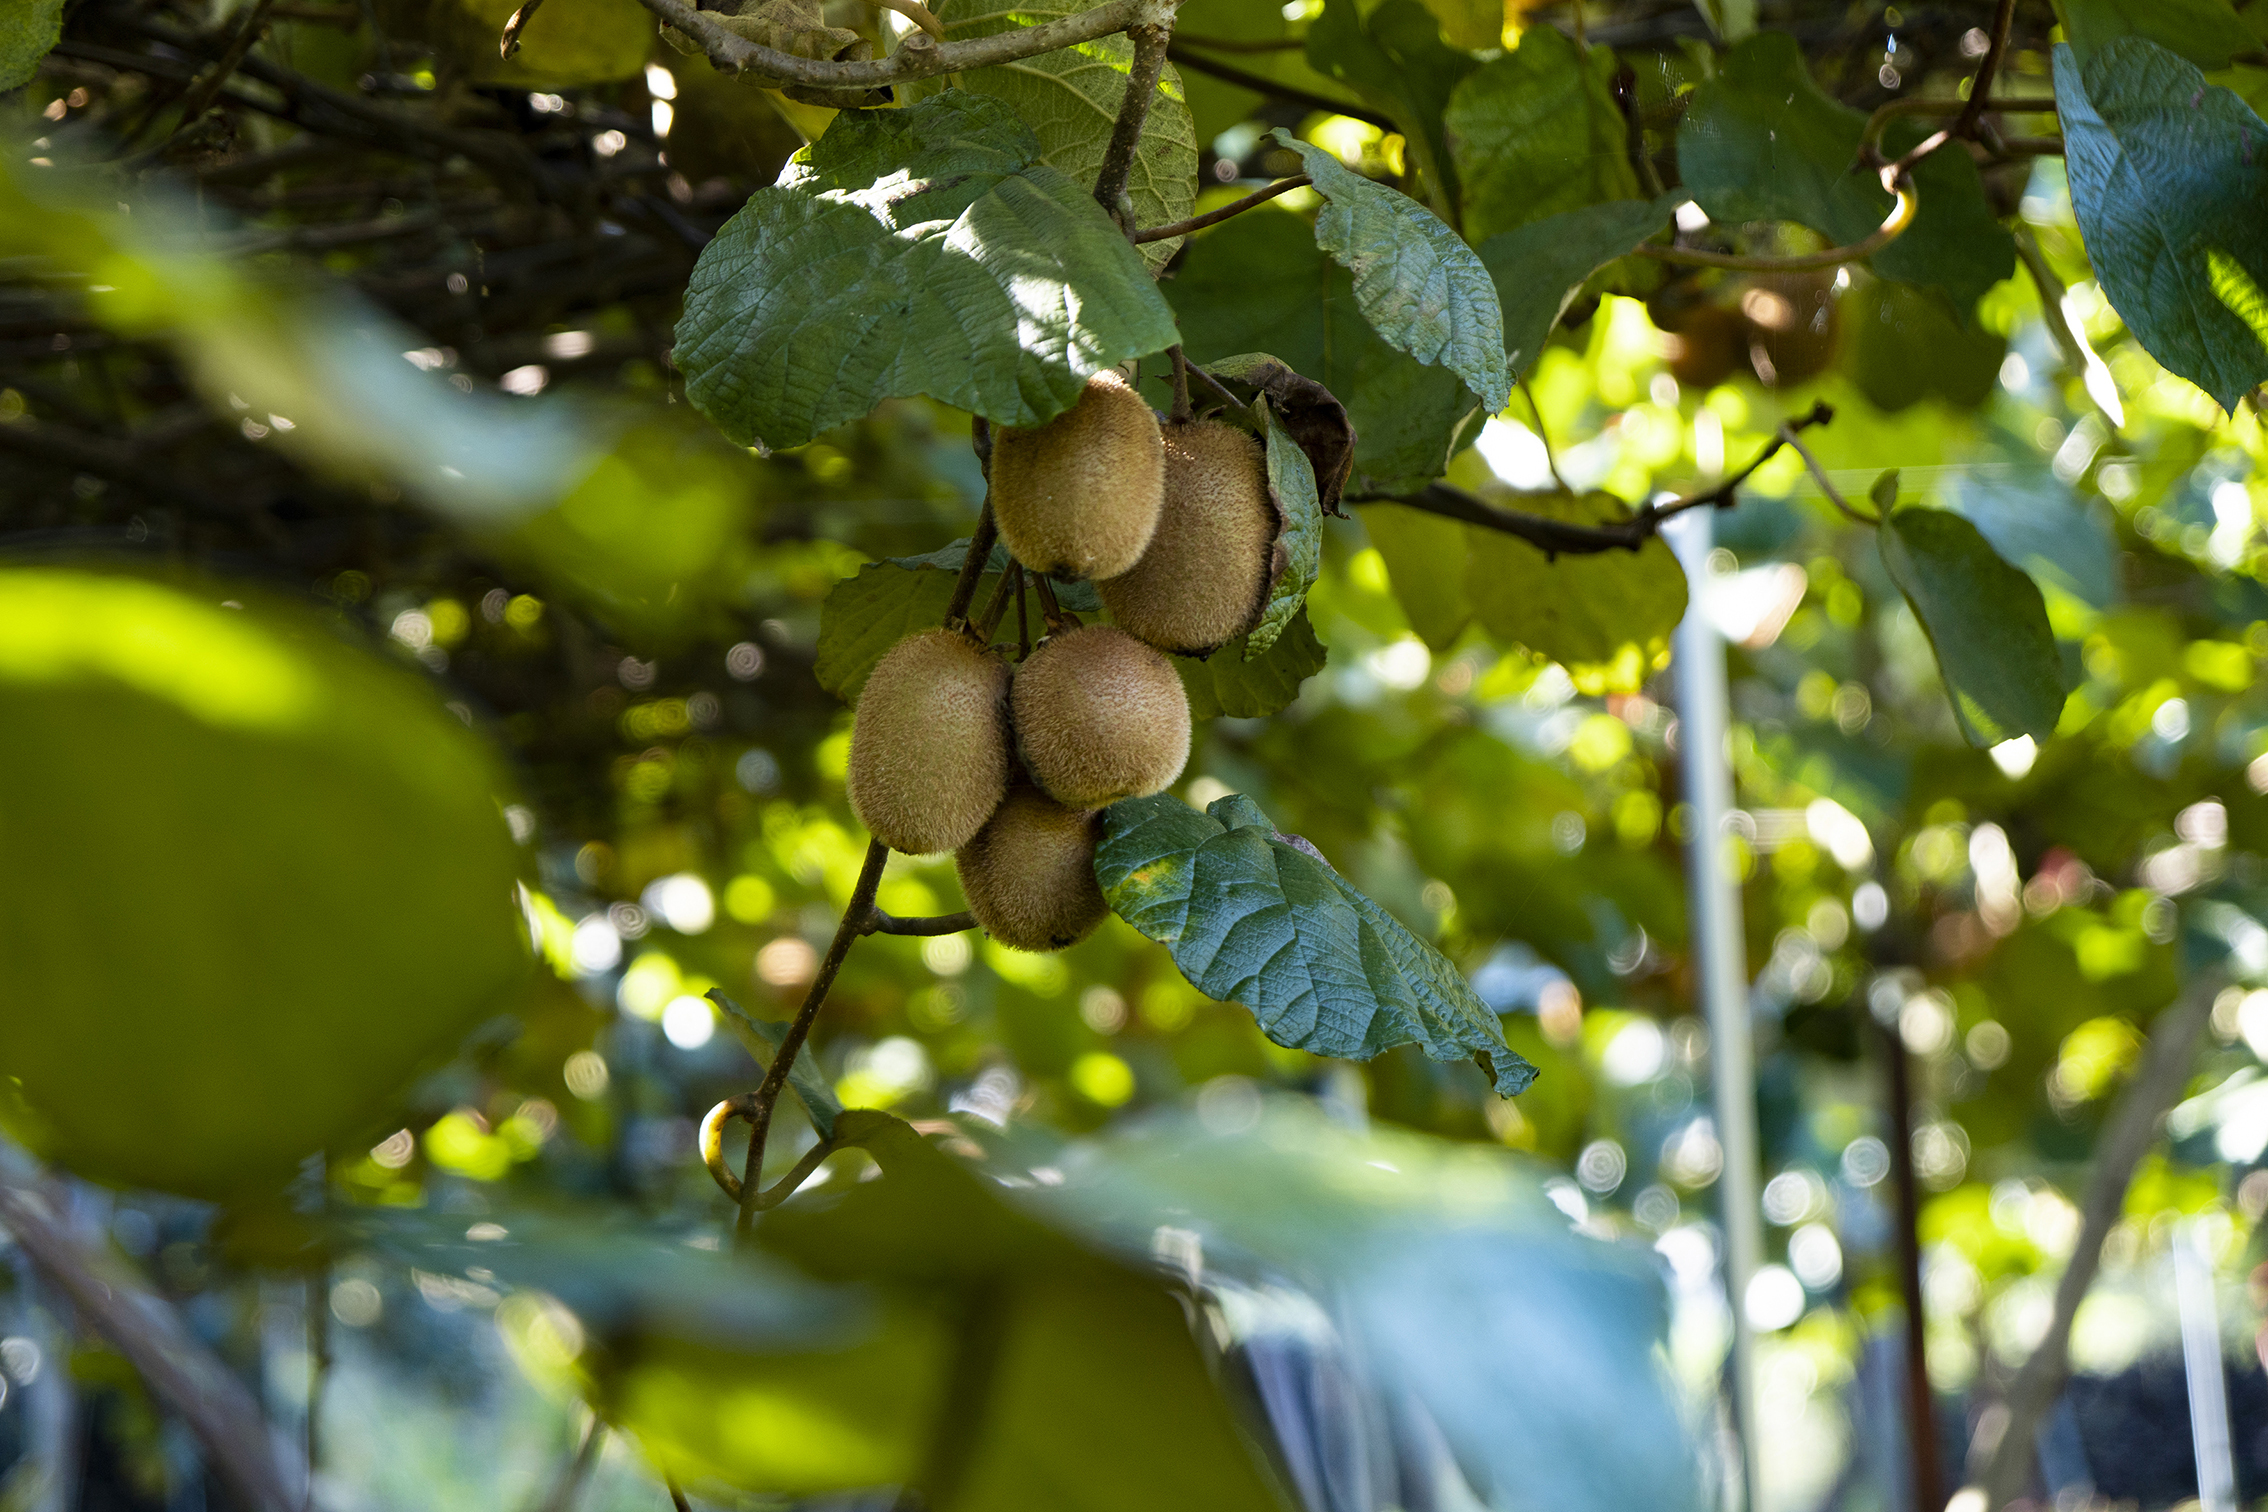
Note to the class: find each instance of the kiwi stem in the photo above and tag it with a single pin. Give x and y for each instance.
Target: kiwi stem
(1150, 43)
(972, 567)
(1220, 389)
(1214, 217)
(767, 1094)
(1023, 623)
(1050, 610)
(1182, 414)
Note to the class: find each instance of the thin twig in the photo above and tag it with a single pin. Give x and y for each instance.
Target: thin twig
(1879, 122)
(1550, 457)
(918, 13)
(972, 567)
(181, 1373)
(1226, 212)
(767, 1095)
(1148, 66)
(878, 922)
(713, 1156)
(1261, 83)
(1921, 1442)
(1556, 537)
(1995, 49)
(1834, 496)
(2126, 1136)
(207, 86)
(676, 1494)
(509, 43)
(1050, 611)
(578, 1470)
(918, 57)
(1893, 226)
(982, 628)
(1220, 389)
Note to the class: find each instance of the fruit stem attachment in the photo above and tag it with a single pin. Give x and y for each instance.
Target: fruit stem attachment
(766, 1097)
(1050, 610)
(712, 1154)
(1226, 212)
(1182, 414)
(1150, 42)
(1011, 581)
(972, 567)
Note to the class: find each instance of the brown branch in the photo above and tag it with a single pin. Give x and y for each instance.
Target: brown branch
(180, 1371)
(207, 87)
(767, 1095)
(1142, 75)
(1562, 537)
(919, 56)
(2126, 1137)
(1181, 414)
(1262, 84)
(2002, 20)
(972, 566)
(987, 622)
(1215, 217)
(878, 922)
(1893, 226)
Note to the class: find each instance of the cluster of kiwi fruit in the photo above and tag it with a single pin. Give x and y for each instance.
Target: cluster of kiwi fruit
(1009, 766)
(1783, 328)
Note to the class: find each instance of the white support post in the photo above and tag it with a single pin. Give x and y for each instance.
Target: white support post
(1715, 938)
(2201, 1359)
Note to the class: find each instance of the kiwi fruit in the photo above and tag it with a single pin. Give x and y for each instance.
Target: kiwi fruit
(1099, 716)
(929, 748)
(1079, 496)
(1029, 875)
(1204, 580)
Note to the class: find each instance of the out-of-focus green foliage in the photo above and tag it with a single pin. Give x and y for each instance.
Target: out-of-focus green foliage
(306, 881)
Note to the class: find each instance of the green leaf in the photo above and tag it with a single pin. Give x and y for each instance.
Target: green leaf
(1259, 283)
(1902, 345)
(1070, 99)
(1605, 617)
(1216, 104)
(1731, 20)
(2206, 32)
(1252, 916)
(1393, 55)
(1761, 142)
(1425, 564)
(581, 42)
(29, 30)
(1227, 683)
(1535, 133)
(866, 614)
(1080, 596)
(1884, 494)
(1543, 265)
(918, 251)
(2168, 178)
(1299, 541)
(1986, 622)
(273, 881)
(762, 1039)
(1415, 280)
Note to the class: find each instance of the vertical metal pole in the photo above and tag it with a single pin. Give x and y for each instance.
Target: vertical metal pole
(1928, 1484)
(1721, 957)
(2201, 1358)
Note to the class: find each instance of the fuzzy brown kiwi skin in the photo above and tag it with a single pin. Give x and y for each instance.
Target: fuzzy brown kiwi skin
(1029, 875)
(1099, 716)
(1204, 580)
(1079, 497)
(929, 746)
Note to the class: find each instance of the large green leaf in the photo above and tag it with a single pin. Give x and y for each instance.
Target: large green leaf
(1761, 142)
(1986, 622)
(919, 251)
(260, 879)
(1541, 266)
(866, 614)
(1070, 99)
(1535, 133)
(1254, 917)
(1260, 284)
(1216, 104)
(28, 30)
(1230, 683)
(1425, 565)
(1415, 280)
(2206, 32)
(2169, 176)
(1393, 55)
(1299, 540)
(1606, 617)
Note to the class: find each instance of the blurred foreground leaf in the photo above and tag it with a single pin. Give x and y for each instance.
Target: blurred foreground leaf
(1255, 917)
(1606, 617)
(258, 878)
